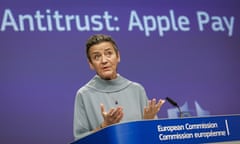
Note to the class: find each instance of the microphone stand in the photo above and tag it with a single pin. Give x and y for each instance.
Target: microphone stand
(175, 105)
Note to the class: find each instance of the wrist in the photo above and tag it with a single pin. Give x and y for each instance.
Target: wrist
(102, 125)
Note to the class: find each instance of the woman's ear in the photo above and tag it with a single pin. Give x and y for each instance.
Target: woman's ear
(119, 58)
(91, 65)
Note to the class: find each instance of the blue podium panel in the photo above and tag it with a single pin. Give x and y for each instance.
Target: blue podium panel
(185, 130)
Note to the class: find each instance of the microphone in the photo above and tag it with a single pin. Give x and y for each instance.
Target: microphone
(174, 104)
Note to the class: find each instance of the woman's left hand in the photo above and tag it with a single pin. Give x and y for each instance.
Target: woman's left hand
(153, 108)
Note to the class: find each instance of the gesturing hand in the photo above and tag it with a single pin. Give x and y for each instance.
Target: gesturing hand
(153, 108)
(114, 115)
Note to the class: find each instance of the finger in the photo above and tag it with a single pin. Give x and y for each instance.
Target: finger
(149, 102)
(116, 112)
(153, 102)
(149, 105)
(103, 110)
(119, 117)
(160, 103)
(111, 112)
(145, 109)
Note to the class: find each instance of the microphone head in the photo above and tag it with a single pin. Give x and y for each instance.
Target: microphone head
(172, 102)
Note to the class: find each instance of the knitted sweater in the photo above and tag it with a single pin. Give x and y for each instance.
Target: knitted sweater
(131, 96)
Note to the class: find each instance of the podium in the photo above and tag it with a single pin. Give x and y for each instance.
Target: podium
(213, 129)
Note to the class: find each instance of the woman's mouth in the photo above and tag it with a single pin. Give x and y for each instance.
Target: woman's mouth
(106, 68)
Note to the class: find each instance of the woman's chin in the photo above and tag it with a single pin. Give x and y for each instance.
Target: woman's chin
(108, 76)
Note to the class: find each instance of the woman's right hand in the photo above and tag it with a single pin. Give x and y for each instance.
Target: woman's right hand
(114, 116)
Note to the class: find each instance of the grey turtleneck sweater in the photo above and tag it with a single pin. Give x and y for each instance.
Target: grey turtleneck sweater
(112, 93)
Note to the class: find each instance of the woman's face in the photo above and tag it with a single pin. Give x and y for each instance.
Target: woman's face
(104, 60)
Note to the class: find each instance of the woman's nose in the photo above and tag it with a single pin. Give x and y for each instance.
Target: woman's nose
(104, 59)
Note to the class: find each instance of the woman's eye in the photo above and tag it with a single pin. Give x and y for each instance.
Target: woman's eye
(96, 57)
(109, 53)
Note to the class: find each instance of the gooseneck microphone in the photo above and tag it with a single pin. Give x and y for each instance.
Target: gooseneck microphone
(175, 105)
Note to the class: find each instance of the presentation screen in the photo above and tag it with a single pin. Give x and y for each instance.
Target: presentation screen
(187, 51)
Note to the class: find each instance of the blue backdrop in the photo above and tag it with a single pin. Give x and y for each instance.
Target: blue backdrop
(189, 51)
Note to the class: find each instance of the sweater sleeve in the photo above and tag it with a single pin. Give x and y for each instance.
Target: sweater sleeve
(144, 99)
(80, 121)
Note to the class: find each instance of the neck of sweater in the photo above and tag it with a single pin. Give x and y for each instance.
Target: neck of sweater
(113, 85)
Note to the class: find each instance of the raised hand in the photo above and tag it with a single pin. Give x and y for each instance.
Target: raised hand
(153, 108)
(114, 115)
